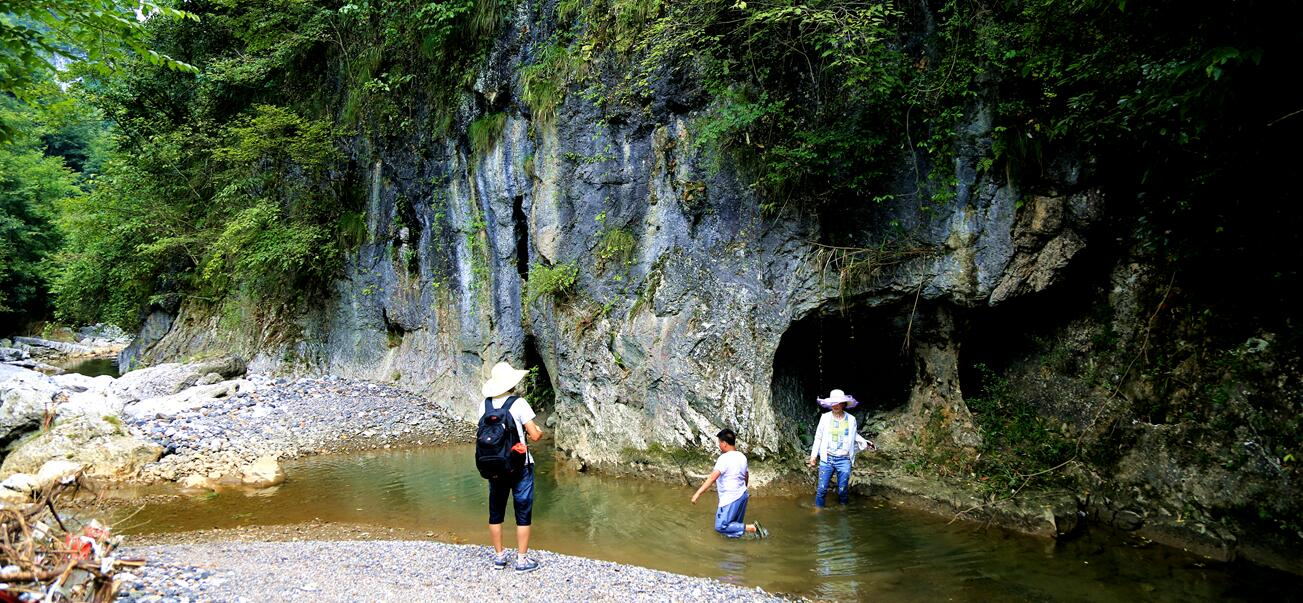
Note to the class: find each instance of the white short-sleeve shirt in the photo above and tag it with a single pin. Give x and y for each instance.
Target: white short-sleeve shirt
(732, 482)
(521, 413)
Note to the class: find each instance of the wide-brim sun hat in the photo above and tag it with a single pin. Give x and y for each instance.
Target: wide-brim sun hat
(502, 378)
(838, 396)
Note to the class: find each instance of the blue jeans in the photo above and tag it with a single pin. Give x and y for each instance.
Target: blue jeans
(842, 466)
(728, 518)
(522, 494)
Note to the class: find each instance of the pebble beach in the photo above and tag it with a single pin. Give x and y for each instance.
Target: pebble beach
(396, 570)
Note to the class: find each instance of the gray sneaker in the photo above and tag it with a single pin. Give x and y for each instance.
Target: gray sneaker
(500, 560)
(525, 565)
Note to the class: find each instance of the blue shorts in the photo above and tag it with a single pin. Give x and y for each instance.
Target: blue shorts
(522, 493)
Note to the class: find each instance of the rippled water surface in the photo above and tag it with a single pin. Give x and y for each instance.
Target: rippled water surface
(866, 550)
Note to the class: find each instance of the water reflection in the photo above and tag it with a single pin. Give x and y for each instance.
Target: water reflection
(835, 554)
(865, 550)
(92, 367)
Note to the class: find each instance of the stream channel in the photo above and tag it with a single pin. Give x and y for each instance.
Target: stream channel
(866, 550)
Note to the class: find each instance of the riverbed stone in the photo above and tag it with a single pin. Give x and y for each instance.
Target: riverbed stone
(10, 497)
(21, 482)
(151, 382)
(197, 482)
(71, 349)
(24, 397)
(187, 400)
(56, 470)
(209, 379)
(8, 354)
(263, 473)
(103, 446)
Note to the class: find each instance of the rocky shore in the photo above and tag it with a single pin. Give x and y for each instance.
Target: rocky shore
(397, 571)
(286, 418)
(202, 424)
(42, 353)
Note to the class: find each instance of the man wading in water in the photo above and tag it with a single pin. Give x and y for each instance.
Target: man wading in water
(733, 477)
(503, 458)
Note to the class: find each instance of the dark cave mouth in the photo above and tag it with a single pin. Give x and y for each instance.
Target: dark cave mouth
(860, 351)
(537, 386)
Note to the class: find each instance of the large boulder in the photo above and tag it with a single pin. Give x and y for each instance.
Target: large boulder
(58, 346)
(24, 397)
(8, 354)
(195, 397)
(170, 378)
(102, 446)
(88, 396)
(151, 382)
(262, 473)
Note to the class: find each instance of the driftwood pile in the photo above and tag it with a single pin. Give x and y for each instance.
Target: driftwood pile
(45, 556)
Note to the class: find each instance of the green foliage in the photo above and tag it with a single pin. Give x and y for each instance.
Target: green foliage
(544, 83)
(33, 181)
(31, 184)
(477, 243)
(556, 281)
(255, 210)
(90, 36)
(616, 248)
(394, 51)
(485, 131)
(537, 389)
(1018, 444)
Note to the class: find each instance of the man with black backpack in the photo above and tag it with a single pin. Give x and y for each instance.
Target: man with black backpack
(502, 457)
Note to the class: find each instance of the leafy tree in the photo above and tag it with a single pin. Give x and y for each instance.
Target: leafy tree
(41, 38)
(31, 184)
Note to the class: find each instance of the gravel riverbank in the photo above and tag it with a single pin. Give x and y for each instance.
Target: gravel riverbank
(398, 571)
(287, 418)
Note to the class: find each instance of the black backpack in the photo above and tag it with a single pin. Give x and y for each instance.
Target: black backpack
(494, 440)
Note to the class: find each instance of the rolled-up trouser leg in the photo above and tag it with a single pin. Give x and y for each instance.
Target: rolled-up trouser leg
(728, 518)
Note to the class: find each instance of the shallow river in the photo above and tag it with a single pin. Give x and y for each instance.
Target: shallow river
(867, 550)
(92, 367)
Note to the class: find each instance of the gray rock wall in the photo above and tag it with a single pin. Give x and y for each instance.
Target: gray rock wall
(665, 345)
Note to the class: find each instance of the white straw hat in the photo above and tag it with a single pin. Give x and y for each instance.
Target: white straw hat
(501, 380)
(838, 396)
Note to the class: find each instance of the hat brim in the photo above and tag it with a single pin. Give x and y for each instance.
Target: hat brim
(849, 401)
(496, 387)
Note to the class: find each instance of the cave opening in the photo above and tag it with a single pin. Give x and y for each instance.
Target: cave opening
(994, 339)
(521, 228)
(537, 385)
(859, 350)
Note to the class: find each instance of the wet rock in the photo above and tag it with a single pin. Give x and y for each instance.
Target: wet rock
(263, 473)
(1128, 520)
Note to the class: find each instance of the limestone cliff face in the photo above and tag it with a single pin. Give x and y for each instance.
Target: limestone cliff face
(673, 334)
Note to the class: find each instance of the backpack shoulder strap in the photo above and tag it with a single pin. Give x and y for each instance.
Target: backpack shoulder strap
(510, 400)
(488, 405)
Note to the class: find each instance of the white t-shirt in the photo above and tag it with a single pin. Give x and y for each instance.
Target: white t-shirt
(521, 413)
(732, 482)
